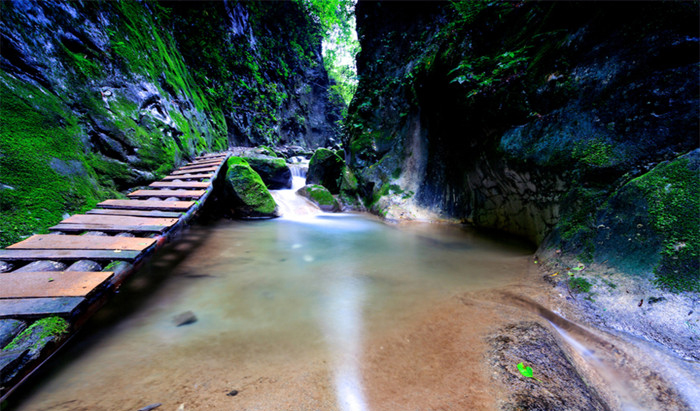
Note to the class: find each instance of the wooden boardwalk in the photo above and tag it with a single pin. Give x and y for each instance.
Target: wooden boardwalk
(71, 272)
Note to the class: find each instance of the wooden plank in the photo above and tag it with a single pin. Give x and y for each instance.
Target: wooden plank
(51, 284)
(180, 184)
(121, 220)
(194, 170)
(118, 220)
(148, 205)
(198, 164)
(80, 228)
(211, 156)
(168, 193)
(39, 307)
(135, 213)
(83, 242)
(60, 255)
(187, 176)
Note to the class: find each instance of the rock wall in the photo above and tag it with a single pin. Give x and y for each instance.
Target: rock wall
(537, 119)
(97, 97)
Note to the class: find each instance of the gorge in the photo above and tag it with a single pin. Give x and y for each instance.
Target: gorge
(519, 184)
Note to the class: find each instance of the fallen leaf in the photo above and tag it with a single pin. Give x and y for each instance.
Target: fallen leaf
(554, 274)
(50, 279)
(526, 371)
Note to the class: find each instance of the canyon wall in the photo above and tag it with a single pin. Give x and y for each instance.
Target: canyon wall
(573, 125)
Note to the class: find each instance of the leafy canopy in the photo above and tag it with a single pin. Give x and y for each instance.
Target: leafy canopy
(340, 44)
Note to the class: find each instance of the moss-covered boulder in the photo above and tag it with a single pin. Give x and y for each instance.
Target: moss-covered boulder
(274, 171)
(320, 196)
(246, 191)
(652, 223)
(325, 168)
(349, 187)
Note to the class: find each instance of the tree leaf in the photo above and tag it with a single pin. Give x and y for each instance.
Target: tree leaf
(525, 371)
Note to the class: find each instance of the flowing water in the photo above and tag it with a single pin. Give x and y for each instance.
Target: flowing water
(311, 311)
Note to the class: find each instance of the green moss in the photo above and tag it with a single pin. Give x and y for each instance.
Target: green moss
(594, 153)
(672, 191)
(267, 150)
(249, 188)
(580, 285)
(43, 162)
(39, 332)
(320, 195)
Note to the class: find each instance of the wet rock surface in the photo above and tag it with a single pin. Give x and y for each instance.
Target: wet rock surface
(9, 329)
(246, 193)
(556, 384)
(184, 318)
(325, 168)
(320, 196)
(274, 171)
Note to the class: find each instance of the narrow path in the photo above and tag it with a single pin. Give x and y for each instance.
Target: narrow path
(70, 273)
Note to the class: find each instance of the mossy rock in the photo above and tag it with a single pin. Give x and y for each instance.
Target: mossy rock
(247, 192)
(349, 187)
(320, 196)
(325, 168)
(274, 171)
(649, 225)
(266, 151)
(43, 331)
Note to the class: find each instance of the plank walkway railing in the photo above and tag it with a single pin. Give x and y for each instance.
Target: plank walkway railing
(73, 271)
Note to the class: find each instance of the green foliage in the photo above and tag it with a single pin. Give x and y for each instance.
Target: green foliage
(580, 285)
(337, 20)
(485, 72)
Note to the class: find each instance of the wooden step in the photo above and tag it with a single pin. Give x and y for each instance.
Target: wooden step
(198, 164)
(22, 308)
(136, 213)
(167, 193)
(148, 205)
(118, 220)
(188, 176)
(107, 228)
(213, 155)
(82, 242)
(51, 284)
(70, 255)
(179, 184)
(195, 170)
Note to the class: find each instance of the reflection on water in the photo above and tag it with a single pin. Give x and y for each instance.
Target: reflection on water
(284, 310)
(341, 322)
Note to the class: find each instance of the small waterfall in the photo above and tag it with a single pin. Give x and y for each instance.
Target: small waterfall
(291, 205)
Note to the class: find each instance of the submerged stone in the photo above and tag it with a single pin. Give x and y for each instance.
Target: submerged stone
(320, 196)
(247, 192)
(185, 318)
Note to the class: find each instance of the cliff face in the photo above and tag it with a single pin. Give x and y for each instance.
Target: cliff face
(96, 97)
(572, 125)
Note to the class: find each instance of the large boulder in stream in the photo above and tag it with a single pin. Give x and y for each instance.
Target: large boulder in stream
(274, 171)
(246, 191)
(325, 168)
(320, 196)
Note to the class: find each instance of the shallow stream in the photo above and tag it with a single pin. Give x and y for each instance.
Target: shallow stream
(311, 311)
